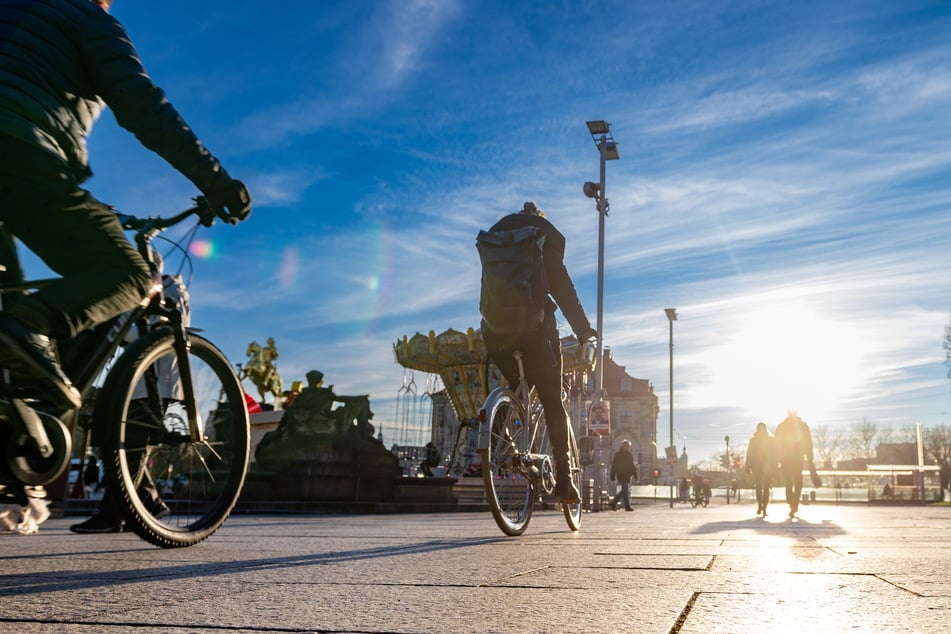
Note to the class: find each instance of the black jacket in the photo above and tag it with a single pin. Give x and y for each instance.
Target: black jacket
(560, 285)
(60, 62)
(623, 467)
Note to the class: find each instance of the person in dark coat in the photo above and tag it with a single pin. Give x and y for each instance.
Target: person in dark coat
(542, 347)
(622, 470)
(761, 463)
(61, 62)
(793, 440)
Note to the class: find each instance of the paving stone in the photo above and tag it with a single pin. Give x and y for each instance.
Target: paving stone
(719, 569)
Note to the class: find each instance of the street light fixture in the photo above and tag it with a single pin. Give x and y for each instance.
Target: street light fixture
(671, 318)
(607, 149)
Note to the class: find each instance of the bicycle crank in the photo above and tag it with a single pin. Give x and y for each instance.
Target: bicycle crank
(38, 445)
(544, 472)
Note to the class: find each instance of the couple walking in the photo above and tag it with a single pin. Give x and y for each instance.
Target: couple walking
(788, 451)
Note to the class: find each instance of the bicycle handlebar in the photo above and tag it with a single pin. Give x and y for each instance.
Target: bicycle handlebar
(202, 209)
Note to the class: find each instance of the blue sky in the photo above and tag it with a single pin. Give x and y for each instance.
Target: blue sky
(783, 182)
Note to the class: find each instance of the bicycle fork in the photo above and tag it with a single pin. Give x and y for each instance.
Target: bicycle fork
(182, 347)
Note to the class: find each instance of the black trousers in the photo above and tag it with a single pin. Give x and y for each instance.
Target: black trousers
(792, 476)
(78, 237)
(541, 360)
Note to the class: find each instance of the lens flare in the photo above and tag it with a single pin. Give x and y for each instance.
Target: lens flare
(287, 274)
(203, 249)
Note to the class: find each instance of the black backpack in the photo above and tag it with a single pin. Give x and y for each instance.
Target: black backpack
(514, 286)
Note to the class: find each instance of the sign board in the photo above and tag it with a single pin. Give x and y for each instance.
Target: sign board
(599, 418)
(671, 453)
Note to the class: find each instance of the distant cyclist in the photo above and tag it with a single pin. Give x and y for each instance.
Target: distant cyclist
(61, 61)
(539, 340)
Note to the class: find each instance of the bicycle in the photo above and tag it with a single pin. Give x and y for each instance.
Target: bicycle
(516, 467)
(699, 498)
(175, 462)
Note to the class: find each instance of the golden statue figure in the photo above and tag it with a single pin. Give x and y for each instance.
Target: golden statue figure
(261, 371)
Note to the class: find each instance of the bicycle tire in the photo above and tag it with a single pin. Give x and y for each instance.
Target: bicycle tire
(573, 510)
(503, 439)
(174, 491)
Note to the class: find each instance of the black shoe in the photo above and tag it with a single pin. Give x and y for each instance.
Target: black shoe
(628, 509)
(98, 524)
(158, 509)
(566, 491)
(34, 370)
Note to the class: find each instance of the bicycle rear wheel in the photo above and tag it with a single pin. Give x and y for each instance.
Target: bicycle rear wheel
(174, 490)
(503, 443)
(573, 511)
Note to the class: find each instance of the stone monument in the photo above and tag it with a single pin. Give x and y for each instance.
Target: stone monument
(323, 449)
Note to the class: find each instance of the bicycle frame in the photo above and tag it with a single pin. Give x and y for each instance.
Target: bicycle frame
(87, 364)
(515, 471)
(531, 416)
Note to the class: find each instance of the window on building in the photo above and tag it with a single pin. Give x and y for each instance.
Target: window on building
(627, 384)
(626, 417)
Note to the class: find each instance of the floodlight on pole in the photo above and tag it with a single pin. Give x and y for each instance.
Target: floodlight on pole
(671, 318)
(607, 148)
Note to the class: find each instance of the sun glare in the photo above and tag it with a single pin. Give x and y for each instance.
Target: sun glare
(786, 356)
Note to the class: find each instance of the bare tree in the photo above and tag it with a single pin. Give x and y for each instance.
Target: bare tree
(863, 438)
(908, 433)
(827, 444)
(937, 442)
(886, 434)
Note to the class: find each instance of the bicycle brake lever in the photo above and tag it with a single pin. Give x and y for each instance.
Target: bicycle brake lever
(126, 220)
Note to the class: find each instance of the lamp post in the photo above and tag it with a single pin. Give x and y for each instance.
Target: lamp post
(729, 464)
(671, 318)
(607, 148)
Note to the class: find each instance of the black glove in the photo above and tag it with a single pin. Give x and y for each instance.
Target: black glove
(586, 334)
(230, 194)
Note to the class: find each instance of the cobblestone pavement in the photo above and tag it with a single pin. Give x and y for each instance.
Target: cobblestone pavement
(719, 569)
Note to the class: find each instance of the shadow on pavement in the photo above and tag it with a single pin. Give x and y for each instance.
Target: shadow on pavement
(26, 584)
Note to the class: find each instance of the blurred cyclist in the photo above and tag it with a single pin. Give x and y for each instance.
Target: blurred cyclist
(61, 61)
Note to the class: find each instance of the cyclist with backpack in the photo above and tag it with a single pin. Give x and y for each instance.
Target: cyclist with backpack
(61, 61)
(523, 268)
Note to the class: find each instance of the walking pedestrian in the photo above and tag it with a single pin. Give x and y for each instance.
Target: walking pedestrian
(622, 470)
(794, 445)
(761, 463)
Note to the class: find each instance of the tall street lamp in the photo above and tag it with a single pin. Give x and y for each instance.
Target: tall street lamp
(607, 148)
(671, 318)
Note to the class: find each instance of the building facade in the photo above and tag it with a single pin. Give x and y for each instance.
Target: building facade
(633, 416)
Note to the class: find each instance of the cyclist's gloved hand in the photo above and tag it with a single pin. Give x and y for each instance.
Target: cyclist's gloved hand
(586, 334)
(230, 194)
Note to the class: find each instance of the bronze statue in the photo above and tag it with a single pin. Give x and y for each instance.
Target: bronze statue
(261, 371)
(311, 418)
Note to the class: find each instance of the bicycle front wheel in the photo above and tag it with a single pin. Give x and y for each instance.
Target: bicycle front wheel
(174, 487)
(573, 511)
(504, 440)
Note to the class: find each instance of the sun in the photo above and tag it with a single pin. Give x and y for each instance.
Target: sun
(784, 356)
